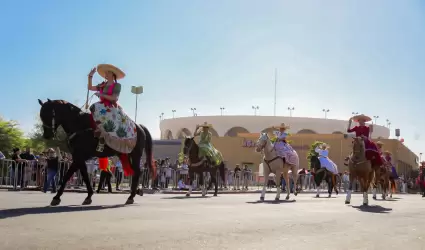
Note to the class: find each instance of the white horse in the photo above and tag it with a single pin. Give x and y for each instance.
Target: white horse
(272, 163)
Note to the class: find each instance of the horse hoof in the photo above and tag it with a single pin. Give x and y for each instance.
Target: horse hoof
(317, 196)
(347, 202)
(336, 192)
(365, 204)
(295, 194)
(140, 192)
(87, 201)
(374, 197)
(287, 198)
(215, 194)
(55, 202)
(187, 195)
(129, 201)
(261, 198)
(329, 196)
(276, 199)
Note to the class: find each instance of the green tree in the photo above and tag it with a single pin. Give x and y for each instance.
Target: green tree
(312, 151)
(37, 140)
(11, 136)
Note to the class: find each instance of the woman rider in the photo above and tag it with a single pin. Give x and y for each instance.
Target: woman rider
(205, 146)
(281, 144)
(111, 124)
(372, 152)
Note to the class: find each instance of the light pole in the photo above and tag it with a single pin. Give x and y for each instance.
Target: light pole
(161, 117)
(420, 157)
(193, 111)
(173, 111)
(221, 110)
(255, 108)
(137, 90)
(196, 114)
(375, 117)
(290, 111)
(388, 123)
(326, 112)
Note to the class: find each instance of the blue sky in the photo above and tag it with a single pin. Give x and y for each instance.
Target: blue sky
(362, 56)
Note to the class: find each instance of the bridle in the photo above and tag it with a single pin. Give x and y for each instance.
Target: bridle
(356, 152)
(262, 147)
(53, 127)
(188, 148)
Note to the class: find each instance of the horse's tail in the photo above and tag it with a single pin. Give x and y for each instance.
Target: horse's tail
(221, 169)
(148, 149)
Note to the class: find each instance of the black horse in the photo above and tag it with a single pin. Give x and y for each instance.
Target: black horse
(321, 174)
(82, 144)
(200, 166)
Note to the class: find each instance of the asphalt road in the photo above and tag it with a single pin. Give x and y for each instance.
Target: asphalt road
(231, 221)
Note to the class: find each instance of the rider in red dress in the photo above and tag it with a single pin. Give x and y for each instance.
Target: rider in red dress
(372, 151)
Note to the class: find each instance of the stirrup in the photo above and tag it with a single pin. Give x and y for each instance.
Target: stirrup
(100, 147)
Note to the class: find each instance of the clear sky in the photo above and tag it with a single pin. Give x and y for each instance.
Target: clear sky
(361, 56)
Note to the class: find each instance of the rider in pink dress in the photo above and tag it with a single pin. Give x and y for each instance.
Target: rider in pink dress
(372, 151)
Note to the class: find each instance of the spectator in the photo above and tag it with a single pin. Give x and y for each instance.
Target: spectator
(2, 156)
(246, 176)
(17, 165)
(345, 181)
(118, 173)
(237, 177)
(52, 167)
(105, 178)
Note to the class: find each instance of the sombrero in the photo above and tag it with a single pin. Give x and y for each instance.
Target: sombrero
(380, 143)
(366, 118)
(103, 68)
(387, 152)
(282, 125)
(205, 125)
(325, 145)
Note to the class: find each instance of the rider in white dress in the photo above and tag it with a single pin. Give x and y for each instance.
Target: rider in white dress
(283, 149)
(325, 162)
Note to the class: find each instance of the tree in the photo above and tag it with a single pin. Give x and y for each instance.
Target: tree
(312, 151)
(11, 136)
(38, 141)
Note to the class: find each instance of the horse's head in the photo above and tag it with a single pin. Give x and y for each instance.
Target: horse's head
(358, 146)
(49, 118)
(54, 114)
(314, 162)
(261, 142)
(189, 144)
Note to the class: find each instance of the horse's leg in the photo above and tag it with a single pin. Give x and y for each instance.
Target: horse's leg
(214, 179)
(86, 179)
(375, 182)
(72, 169)
(365, 187)
(350, 188)
(266, 171)
(191, 176)
(278, 184)
(135, 165)
(330, 186)
(317, 181)
(202, 183)
(295, 177)
(288, 184)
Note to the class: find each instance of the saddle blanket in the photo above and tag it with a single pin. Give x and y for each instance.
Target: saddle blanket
(116, 127)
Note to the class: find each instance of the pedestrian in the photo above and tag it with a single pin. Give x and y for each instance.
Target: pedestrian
(52, 167)
(105, 178)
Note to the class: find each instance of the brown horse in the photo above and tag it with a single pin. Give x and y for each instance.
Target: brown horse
(383, 181)
(360, 168)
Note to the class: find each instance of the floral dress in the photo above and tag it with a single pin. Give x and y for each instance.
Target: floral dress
(207, 149)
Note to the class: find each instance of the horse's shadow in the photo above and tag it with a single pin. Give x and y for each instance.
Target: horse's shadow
(185, 197)
(373, 209)
(270, 202)
(16, 212)
(324, 197)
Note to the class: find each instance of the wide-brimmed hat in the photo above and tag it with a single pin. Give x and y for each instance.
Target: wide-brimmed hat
(205, 125)
(387, 152)
(380, 143)
(366, 118)
(325, 145)
(102, 69)
(282, 126)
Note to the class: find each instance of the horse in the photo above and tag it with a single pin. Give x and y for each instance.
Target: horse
(321, 174)
(82, 144)
(200, 166)
(360, 168)
(383, 181)
(278, 165)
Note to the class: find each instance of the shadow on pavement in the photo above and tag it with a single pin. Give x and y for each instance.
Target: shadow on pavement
(270, 202)
(16, 212)
(325, 197)
(373, 209)
(184, 197)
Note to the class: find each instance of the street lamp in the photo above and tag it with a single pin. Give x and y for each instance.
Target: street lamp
(290, 110)
(354, 113)
(326, 112)
(420, 157)
(255, 108)
(173, 111)
(137, 90)
(375, 117)
(193, 111)
(161, 117)
(221, 110)
(388, 123)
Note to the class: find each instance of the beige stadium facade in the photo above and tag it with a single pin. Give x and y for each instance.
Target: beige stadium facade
(235, 136)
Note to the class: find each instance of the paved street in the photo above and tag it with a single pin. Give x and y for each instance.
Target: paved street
(231, 221)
